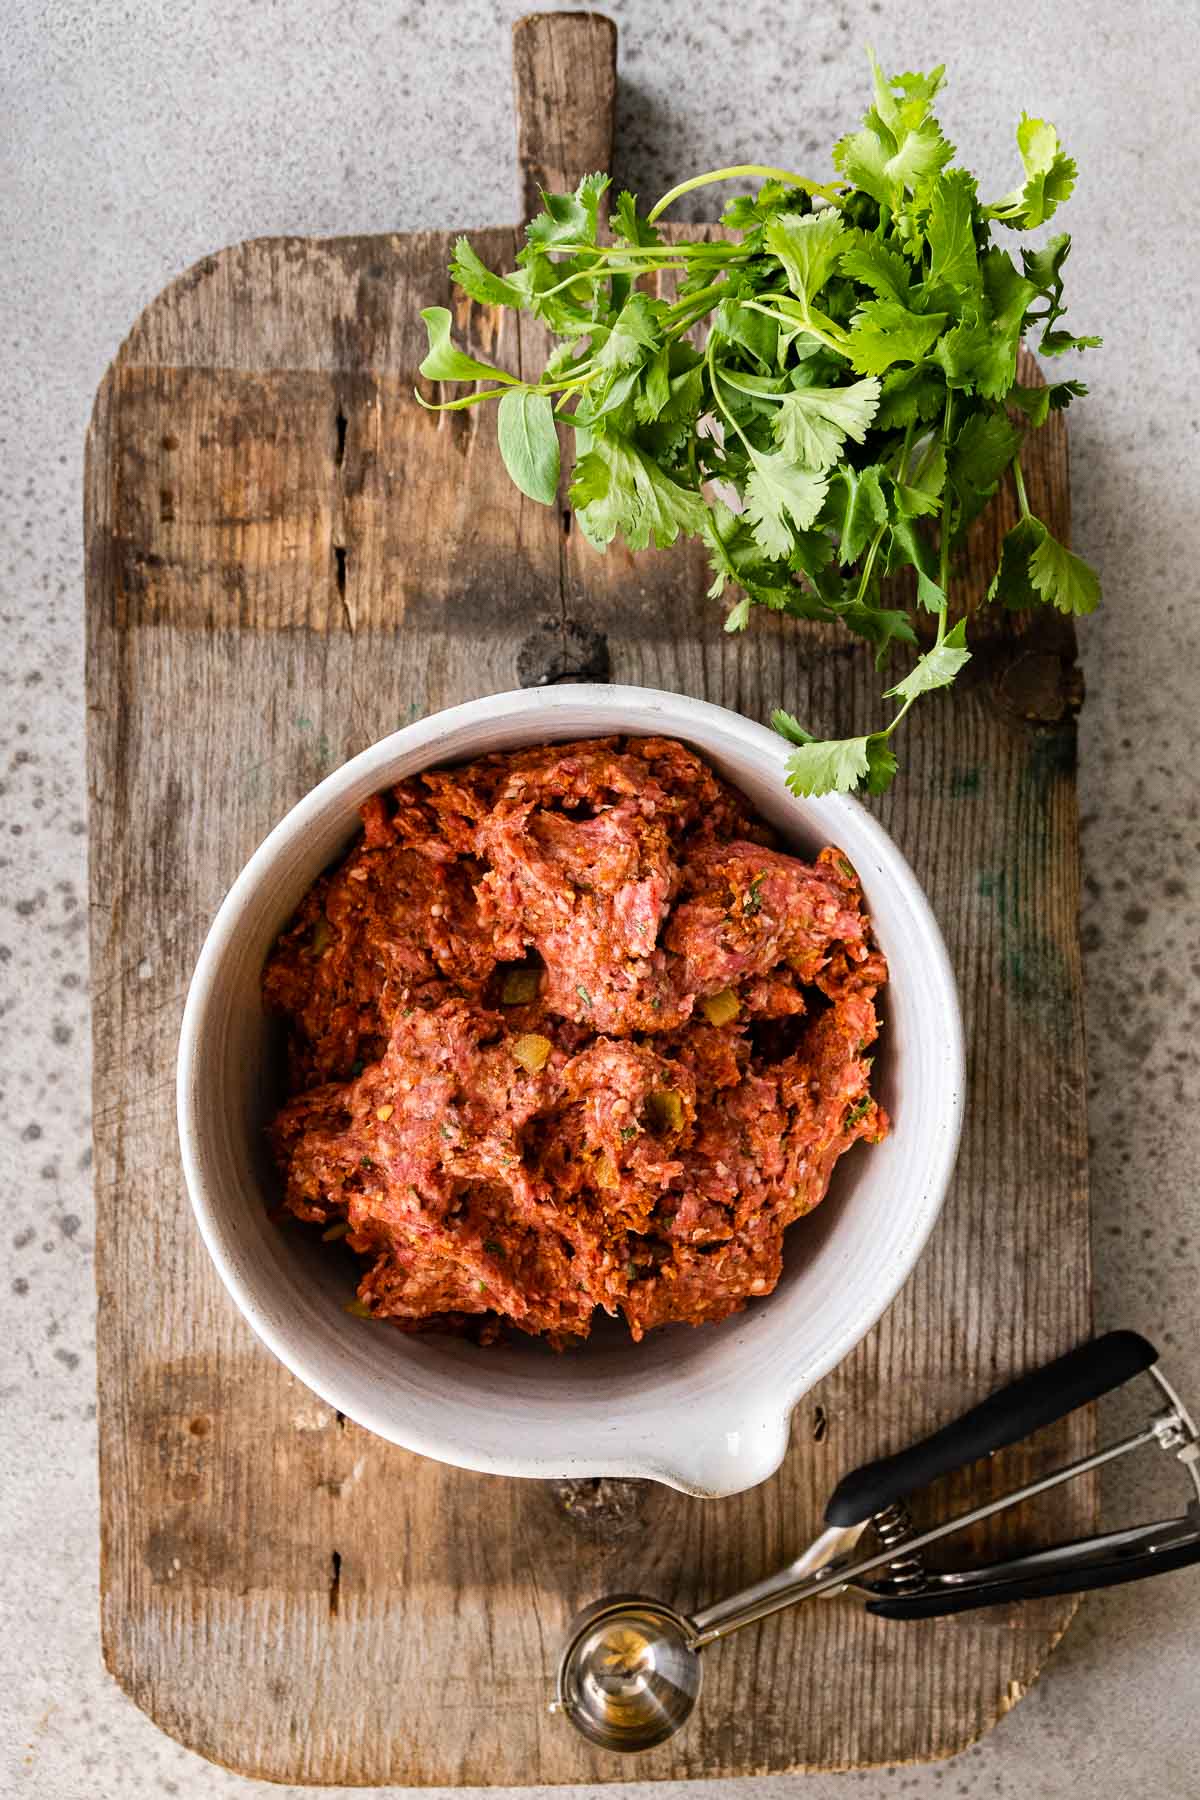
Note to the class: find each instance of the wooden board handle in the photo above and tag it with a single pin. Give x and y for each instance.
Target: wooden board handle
(565, 75)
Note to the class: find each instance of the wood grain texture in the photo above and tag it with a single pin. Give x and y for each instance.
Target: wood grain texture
(281, 1591)
(565, 73)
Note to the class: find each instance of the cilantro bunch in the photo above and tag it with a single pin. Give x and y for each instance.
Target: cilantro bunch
(852, 408)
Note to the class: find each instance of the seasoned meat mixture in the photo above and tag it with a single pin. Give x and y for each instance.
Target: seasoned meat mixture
(566, 1030)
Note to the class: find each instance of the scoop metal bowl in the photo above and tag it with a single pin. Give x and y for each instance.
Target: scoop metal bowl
(629, 1677)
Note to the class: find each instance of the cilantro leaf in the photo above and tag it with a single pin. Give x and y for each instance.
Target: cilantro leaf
(812, 423)
(981, 453)
(856, 507)
(910, 395)
(883, 333)
(881, 626)
(1050, 173)
(1062, 578)
(529, 443)
(808, 245)
(950, 233)
(655, 389)
(929, 594)
(1055, 342)
(873, 265)
(838, 765)
(886, 163)
(1037, 403)
(974, 356)
(1034, 568)
(881, 764)
(684, 396)
(1008, 296)
(918, 496)
(908, 546)
(539, 281)
(616, 487)
(628, 224)
(444, 362)
(635, 330)
(568, 218)
(937, 668)
(790, 727)
(749, 329)
(1044, 266)
(1011, 584)
(904, 110)
(776, 492)
(1049, 178)
(475, 278)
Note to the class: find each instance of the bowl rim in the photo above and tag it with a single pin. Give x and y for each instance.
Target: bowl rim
(670, 1466)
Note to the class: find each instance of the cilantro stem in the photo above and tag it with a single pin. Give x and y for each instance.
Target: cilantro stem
(944, 532)
(1022, 496)
(760, 169)
(594, 274)
(689, 311)
(690, 300)
(909, 429)
(869, 563)
(574, 385)
(716, 249)
(806, 324)
(754, 393)
(888, 729)
(712, 381)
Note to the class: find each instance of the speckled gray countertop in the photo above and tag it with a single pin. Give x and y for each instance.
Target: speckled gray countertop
(139, 134)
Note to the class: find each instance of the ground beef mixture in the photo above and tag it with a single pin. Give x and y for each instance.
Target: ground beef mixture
(567, 1031)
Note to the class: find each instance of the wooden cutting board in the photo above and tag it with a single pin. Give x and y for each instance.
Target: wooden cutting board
(286, 559)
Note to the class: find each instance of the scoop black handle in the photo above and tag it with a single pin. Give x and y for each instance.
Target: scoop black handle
(1012, 1412)
(937, 1603)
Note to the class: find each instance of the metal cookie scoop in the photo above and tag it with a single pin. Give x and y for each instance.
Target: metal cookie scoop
(630, 1674)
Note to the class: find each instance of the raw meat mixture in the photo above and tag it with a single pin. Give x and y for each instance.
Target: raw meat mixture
(566, 1031)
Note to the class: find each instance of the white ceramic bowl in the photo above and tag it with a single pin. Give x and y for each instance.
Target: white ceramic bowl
(706, 1410)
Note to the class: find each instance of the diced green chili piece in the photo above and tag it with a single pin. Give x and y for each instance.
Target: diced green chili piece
(720, 1009)
(532, 1051)
(664, 1109)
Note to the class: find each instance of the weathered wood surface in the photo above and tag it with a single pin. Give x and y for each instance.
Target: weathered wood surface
(285, 559)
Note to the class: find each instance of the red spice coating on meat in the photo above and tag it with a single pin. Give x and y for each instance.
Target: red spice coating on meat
(506, 1091)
